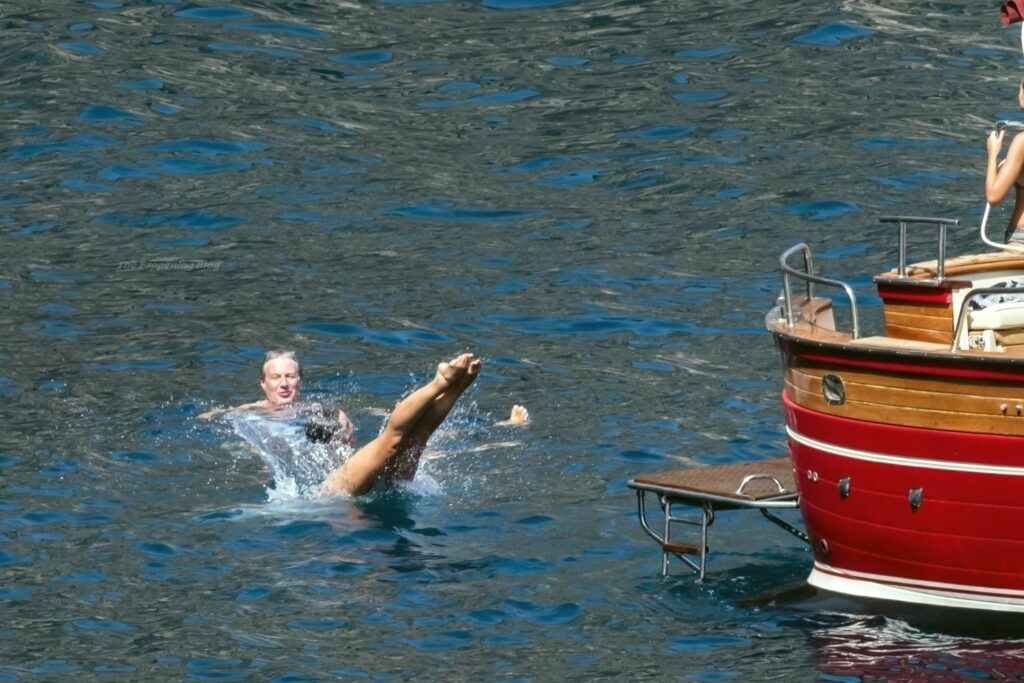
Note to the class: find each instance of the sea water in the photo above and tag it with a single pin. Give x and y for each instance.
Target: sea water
(590, 194)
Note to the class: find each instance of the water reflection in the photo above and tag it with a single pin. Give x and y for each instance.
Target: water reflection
(886, 648)
(856, 639)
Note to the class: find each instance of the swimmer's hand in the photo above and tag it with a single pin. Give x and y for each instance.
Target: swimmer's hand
(343, 432)
(217, 412)
(519, 417)
(994, 143)
(210, 414)
(319, 433)
(347, 431)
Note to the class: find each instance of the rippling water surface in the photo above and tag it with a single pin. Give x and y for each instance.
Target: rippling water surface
(590, 194)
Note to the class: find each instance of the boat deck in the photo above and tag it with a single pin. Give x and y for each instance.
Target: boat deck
(763, 485)
(720, 485)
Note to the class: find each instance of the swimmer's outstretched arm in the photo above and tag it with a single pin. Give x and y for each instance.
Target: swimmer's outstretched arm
(217, 412)
(364, 468)
(999, 179)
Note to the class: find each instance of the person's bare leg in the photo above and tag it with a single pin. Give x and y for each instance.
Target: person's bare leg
(431, 419)
(360, 472)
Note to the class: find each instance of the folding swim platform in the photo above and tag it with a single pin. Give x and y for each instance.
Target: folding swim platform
(764, 485)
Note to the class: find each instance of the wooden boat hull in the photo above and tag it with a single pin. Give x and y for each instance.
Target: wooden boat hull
(912, 486)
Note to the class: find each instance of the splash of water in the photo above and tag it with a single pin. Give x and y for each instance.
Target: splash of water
(297, 466)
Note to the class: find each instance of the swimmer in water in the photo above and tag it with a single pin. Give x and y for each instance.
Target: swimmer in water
(395, 453)
(999, 178)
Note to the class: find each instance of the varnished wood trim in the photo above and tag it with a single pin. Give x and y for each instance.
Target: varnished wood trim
(921, 322)
(967, 269)
(961, 265)
(990, 404)
(804, 330)
(933, 311)
(893, 283)
(973, 387)
(917, 334)
(910, 417)
(1010, 337)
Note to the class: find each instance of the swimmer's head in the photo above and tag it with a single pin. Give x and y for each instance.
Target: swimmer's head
(281, 378)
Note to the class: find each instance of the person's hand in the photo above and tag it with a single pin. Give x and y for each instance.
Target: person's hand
(210, 414)
(348, 430)
(994, 144)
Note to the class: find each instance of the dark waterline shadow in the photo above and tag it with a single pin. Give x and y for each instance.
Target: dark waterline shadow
(804, 599)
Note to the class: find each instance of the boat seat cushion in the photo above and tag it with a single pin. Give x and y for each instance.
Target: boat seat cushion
(998, 311)
(999, 316)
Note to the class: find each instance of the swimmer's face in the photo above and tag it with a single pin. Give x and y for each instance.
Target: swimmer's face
(281, 381)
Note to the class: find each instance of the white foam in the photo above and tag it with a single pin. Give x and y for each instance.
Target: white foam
(297, 466)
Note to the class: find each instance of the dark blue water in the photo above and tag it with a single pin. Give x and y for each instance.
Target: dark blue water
(591, 195)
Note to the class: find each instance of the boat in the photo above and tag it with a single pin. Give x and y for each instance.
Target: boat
(906, 447)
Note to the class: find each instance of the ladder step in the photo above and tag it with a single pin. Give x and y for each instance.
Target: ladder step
(681, 548)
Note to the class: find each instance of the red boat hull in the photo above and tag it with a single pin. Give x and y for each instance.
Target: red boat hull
(908, 447)
(962, 541)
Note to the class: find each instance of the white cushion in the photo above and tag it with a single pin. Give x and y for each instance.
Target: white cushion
(998, 316)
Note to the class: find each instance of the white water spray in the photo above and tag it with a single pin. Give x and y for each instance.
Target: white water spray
(297, 466)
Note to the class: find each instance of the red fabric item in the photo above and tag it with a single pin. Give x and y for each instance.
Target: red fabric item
(1011, 12)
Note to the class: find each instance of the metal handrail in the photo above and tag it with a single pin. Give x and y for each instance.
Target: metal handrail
(981, 291)
(984, 236)
(810, 278)
(758, 477)
(905, 221)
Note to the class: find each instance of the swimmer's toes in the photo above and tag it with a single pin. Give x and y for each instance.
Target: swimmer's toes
(457, 370)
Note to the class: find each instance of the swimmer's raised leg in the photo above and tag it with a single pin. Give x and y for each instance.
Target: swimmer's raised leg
(432, 418)
(362, 470)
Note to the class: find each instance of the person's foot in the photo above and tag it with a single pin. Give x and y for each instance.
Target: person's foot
(472, 372)
(456, 370)
(519, 416)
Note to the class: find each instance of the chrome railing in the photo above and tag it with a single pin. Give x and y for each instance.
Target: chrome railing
(905, 222)
(808, 276)
(1009, 246)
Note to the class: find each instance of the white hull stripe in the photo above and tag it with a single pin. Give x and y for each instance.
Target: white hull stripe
(917, 583)
(921, 593)
(926, 463)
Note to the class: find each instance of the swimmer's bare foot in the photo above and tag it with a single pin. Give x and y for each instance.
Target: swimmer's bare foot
(455, 371)
(472, 372)
(518, 417)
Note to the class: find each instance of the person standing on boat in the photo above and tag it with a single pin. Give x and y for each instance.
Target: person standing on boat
(1000, 177)
(395, 453)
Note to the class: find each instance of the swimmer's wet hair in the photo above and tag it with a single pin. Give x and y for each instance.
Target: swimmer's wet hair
(274, 354)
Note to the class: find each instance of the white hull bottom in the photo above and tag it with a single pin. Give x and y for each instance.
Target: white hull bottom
(881, 587)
